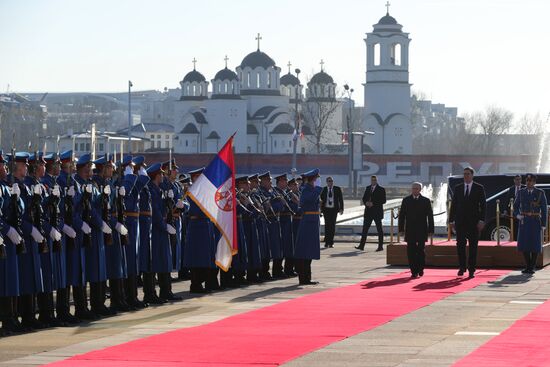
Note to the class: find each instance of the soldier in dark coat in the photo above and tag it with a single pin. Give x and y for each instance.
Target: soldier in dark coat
(274, 207)
(308, 241)
(530, 208)
(416, 221)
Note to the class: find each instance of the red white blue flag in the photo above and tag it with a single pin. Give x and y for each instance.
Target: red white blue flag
(214, 193)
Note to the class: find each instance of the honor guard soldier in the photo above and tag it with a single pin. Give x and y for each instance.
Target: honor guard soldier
(198, 250)
(254, 260)
(56, 240)
(308, 243)
(10, 207)
(185, 181)
(530, 208)
(131, 203)
(65, 181)
(115, 257)
(262, 224)
(161, 251)
(294, 194)
(274, 208)
(30, 268)
(177, 207)
(285, 220)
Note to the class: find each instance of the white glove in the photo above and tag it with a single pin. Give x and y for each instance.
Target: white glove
(180, 204)
(519, 217)
(543, 228)
(170, 229)
(37, 189)
(70, 192)
(120, 228)
(55, 235)
(122, 191)
(1, 241)
(55, 191)
(106, 229)
(89, 188)
(170, 194)
(142, 171)
(37, 237)
(14, 237)
(15, 190)
(86, 228)
(128, 170)
(69, 231)
(107, 190)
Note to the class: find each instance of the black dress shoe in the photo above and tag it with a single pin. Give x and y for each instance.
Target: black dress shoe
(198, 290)
(379, 249)
(421, 273)
(154, 300)
(525, 271)
(170, 297)
(68, 318)
(331, 246)
(360, 248)
(34, 324)
(309, 282)
(14, 326)
(414, 276)
(87, 315)
(471, 274)
(461, 272)
(326, 246)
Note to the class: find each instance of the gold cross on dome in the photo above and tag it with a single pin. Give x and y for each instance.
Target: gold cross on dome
(226, 58)
(258, 38)
(194, 63)
(322, 63)
(289, 65)
(388, 8)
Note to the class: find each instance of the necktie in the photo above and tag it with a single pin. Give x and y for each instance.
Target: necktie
(467, 191)
(330, 192)
(516, 194)
(372, 189)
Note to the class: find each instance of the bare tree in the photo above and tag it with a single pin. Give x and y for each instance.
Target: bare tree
(490, 123)
(319, 113)
(530, 124)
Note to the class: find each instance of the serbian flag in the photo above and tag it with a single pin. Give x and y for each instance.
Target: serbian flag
(214, 193)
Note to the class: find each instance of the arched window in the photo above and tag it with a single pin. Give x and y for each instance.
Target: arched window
(194, 90)
(248, 79)
(376, 54)
(258, 80)
(225, 84)
(269, 79)
(396, 54)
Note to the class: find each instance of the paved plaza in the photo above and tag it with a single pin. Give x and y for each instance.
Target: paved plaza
(436, 335)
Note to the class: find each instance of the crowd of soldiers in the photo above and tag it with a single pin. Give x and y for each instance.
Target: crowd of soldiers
(99, 229)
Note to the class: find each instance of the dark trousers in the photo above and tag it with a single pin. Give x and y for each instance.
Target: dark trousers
(530, 260)
(471, 234)
(367, 221)
(416, 256)
(303, 267)
(330, 215)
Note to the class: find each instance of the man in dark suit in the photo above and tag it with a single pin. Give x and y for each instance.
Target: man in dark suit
(374, 199)
(467, 216)
(332, 203)
(512, 193)
(416, 221)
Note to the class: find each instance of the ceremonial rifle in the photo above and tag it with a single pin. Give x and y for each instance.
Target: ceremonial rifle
(15, 216)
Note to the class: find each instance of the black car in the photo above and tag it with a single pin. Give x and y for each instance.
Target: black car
(496, 188)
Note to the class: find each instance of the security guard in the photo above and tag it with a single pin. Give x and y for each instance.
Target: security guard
(530, 208)
(308, 243)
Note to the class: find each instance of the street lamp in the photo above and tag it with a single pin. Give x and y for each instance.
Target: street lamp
(296, 123)
(130, 85)
(349, 92)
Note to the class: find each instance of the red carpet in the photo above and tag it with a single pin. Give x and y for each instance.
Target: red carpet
(276, 334)
(525, 343)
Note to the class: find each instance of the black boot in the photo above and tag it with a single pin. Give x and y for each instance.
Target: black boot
(226, 279)
(533, 265)
(211, 283)
(278, 269)
(196, 281)
(27, 307)
(184, 274)
(80, 298)
(527, 257)
(165, 283)
(10, 323)
(289, 267)
(131, 293)
(149, 290)
(117, 300)
(62, 307)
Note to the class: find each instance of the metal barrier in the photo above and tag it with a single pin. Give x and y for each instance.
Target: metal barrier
(511, 211)
(498, 221)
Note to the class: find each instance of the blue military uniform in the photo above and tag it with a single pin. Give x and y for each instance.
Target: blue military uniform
(273, 227)
(530, 207)
(308, 244)
(285, 221)
(262, 229)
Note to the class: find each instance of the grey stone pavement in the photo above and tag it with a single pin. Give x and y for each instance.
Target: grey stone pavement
(436, 335)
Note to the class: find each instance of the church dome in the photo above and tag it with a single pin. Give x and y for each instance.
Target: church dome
(289, 79)
(321, 78)
(226, 74)
(387, 20)
(257, 59)
(194, 76)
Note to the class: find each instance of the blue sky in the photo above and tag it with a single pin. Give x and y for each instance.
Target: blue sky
(464, 53)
